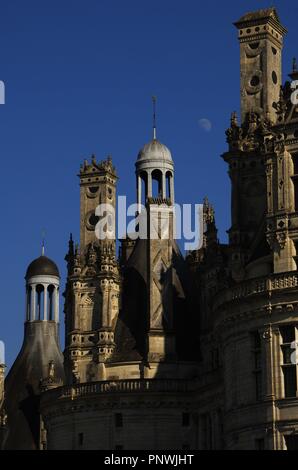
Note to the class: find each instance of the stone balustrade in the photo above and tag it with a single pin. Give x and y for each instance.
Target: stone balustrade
(257, 286)
(122, 386)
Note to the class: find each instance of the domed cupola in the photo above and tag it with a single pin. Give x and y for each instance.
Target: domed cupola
(42, 266)
(155, 150)
(155, 170)
(42, 288)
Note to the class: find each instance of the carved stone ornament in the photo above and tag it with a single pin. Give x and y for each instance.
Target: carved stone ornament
(281, 238)
(267, 334)
(271, 239)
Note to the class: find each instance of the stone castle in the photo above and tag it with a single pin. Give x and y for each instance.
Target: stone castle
(133, 375)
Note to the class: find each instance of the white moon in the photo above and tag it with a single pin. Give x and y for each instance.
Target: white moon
(205, 124)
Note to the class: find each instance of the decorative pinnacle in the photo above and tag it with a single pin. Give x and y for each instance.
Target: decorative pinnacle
(43, 243)
(234, 120)
(154, 116)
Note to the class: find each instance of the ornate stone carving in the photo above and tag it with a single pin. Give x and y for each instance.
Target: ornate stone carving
(281, 238)
(51, 381)
(77, 261)
(271, 239)
(267, 334)
(255, 134)
(234, 133)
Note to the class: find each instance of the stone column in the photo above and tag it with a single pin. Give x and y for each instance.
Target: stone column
(45, 302)
(267, 341)
(164, 186)
(28, 304)
(139, 190)
(172, 195)
(149, 184)
(33, 303)
(269, 386)
(56, 304)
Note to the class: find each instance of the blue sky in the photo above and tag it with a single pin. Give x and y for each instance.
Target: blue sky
(79, 78)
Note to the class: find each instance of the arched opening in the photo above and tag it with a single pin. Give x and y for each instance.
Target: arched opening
(51, 302)
(144, 187)
(157, 183)
(169, 182)
(28, 308)
(39, 301)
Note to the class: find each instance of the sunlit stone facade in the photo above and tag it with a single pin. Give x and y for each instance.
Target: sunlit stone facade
(165, 351)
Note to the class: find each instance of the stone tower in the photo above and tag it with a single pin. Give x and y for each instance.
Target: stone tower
(261, 167)
(155, 169)
(261, 40)
(92, 292)
(248, 338)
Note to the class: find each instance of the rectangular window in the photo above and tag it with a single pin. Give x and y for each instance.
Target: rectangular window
(290, 381)
(292, 442)
(118, 447)
(260, 444)
(258, 384)
(215, 358)
(81, 438)
(257, 364)
(206, 431)
(296, 249)
(289, 369)
(287, 333)
(185, 447)
(295, 162)
(220, 428)
(118, 420)
(287, 352)
(185, 419)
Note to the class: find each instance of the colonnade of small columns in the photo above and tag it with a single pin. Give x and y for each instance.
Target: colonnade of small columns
(165, 182)
(42, 302)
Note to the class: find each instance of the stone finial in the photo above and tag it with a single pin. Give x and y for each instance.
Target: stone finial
(234, 119)
(70, 255)
(51, 369)
(77, 259)
(51, 380)
(234, 132)
(70, 244)
(209, 213)
(92, 255)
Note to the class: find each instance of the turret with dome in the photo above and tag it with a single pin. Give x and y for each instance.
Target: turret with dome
(155, 171)
(39, 357)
